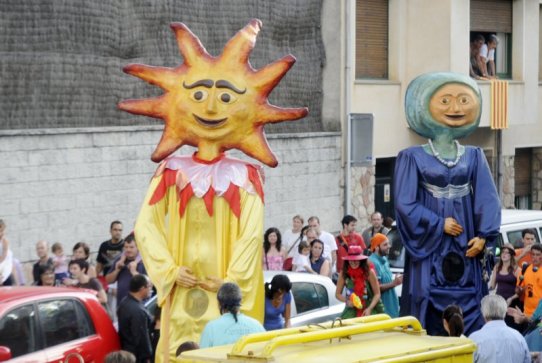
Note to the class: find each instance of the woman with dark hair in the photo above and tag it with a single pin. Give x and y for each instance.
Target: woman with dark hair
(81, 251)
(452, 320)
(357, 277)
(231, 325)
(504, 277)
(319, 264)
(277, 303)
(505, 273)
(274, 253)
(46, 275)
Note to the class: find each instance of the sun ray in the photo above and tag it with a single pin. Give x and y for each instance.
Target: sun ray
(190, 46)
(267, 78)
(162, 77)
(257, 147)
(238, 49)
(168, 144)
(274, 114)
(147, 107)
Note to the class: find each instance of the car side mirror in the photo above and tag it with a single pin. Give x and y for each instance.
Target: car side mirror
(5, 354)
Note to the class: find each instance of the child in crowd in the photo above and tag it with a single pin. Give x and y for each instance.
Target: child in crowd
(301, 260)
(60, 262)
(452, 320)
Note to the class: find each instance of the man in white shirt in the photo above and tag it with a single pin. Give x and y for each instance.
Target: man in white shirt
(292, 237)
(326, 237)
(487, 55)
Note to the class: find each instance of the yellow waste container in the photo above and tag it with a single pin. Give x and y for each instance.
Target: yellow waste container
(376, 338)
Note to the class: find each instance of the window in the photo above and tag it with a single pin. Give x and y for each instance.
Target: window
(63, 321)
(494, 17)
(18, 331)
(322, 295)
(514, 237)
(372, 39)
(305, 296)
(396, 256)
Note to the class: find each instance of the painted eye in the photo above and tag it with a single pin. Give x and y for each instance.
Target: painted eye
(463, 100)
(227, 98)
(199, 95)
(445, 101)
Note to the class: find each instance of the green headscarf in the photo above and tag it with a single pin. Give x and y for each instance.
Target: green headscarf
(418, 96)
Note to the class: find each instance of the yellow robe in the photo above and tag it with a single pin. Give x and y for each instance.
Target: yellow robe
(218, 245)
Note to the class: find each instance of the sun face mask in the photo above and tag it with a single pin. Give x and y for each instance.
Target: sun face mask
(214, 103)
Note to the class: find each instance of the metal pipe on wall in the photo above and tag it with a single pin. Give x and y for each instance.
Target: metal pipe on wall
(349, 14)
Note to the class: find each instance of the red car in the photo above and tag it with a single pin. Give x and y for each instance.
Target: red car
(54, 324)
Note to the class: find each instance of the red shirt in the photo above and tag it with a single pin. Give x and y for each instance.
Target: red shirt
(353, 239)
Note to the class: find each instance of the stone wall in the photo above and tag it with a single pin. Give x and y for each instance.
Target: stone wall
(67, 185)
(508, 182)
(362, 186)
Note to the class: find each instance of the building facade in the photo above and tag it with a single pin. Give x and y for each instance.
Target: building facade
(398, 40)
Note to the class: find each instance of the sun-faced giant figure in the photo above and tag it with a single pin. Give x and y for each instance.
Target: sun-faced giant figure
(201, 222)
(447, 207)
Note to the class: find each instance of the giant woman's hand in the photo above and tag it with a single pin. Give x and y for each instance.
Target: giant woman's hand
(211, 284)
(451, 227)
(185, 277)
(476, 245)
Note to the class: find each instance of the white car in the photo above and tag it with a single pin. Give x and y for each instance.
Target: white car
(313, 298)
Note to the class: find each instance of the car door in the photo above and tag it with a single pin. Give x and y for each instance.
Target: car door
(68, 333)
(19, 332)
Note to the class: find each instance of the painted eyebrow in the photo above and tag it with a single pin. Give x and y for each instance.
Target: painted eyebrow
(202, 82)
(225, 84)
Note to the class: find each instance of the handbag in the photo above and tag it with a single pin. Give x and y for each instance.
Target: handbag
(288, 263)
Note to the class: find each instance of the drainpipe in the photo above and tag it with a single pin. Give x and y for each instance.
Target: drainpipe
(349, 15)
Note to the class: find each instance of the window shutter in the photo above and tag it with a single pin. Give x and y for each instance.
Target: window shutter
(491, 16)
(372, 39)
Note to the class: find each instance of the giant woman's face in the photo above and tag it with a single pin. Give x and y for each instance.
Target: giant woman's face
(454, 105)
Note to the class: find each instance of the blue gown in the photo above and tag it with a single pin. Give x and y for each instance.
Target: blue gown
(437, 272)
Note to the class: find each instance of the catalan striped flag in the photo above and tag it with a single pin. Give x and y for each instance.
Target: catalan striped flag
(499, 104)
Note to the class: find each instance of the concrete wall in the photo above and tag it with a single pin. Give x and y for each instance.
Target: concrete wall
(68, 185)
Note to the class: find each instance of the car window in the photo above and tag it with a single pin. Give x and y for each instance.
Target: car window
(397, 251)
(63, 321)
(305, 297)
(321, 291)
(514, 237)
(18, 331)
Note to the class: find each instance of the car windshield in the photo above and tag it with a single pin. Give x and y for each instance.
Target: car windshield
(397, 252)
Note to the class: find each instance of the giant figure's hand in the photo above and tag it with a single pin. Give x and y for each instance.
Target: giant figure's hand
(211, 284)
(451, 227)
(186, 277)
(476, 245)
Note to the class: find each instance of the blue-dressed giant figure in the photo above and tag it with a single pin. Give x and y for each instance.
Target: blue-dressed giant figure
(447, 207)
